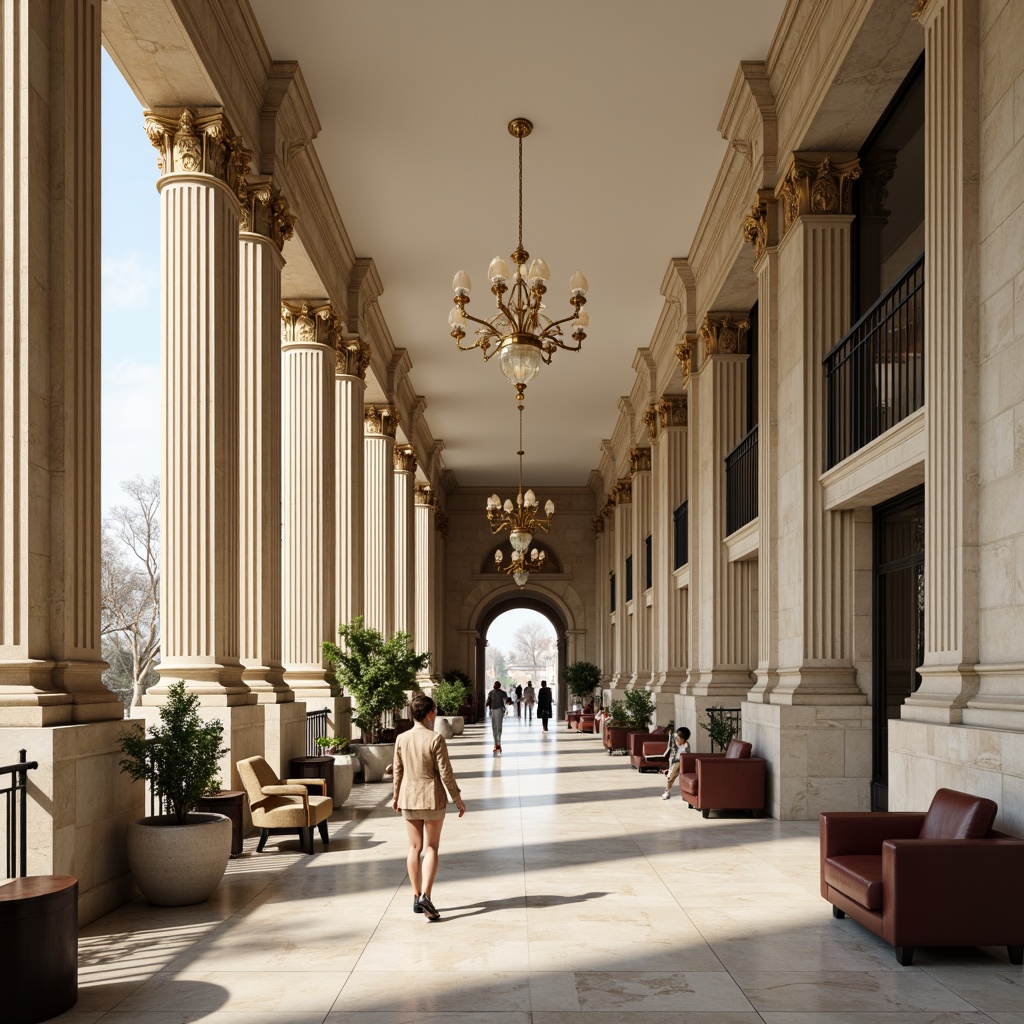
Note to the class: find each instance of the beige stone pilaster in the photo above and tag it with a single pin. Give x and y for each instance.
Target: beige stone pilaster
(669, 643)
(265, 225)
(203, 166)
(352, 357)
(439, 588)
(309, 336)
(426, 594)
(50, 660)
(641, 626)
(622, 631)
(720, 588)
(379, 425)
(949, 676)
(405, 539)
(603, 542)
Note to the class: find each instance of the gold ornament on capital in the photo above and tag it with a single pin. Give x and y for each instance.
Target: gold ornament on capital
(188, 142)
(309, 323)
(672, 412)
(817, 184)
(380, 419)
(684, 353)
(404, 458)
(723, 333)
(649, 417)
(639, 461)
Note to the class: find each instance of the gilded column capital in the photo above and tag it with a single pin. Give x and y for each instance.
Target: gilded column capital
(622, 492)
(404, 457)
(684, 353)
(759, 223)
(639, 461)
(598, 522)
(352, 357)
(650, 421)
(672, 411)
(441, 522)
(423, 495)
(190, 143)
(308, 323)
(919, 9)
(264, 211)
(817, 184)
(380, 419)
(724, 333)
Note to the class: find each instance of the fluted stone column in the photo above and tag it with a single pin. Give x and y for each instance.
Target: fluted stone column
(379, 425)
(405, 540)
(352, 360)
(602, 558)
(203, 164)
(50, 660)
(425, 592)
(668, 445)
(309, 337)
(622, 657)
(640, 641)
(439, 588)
(265, 226)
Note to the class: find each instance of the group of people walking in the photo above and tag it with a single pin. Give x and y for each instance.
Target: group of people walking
(499, 703)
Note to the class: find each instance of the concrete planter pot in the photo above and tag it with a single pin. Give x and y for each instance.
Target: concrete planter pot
(344, 772)
(457, 722)
(176, 865)
(374, 757)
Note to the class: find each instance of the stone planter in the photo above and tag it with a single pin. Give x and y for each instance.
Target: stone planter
(176, 865)
(344, 772)
(443, 728)
(374, 757)
(457, 722)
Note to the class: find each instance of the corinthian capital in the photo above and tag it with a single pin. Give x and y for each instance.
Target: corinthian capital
(684, 353)
(672, 411)
(380, 419)
(264, 211)
(404, 457)
(622, 492)
(422, 494)
(352, 357)
(639, 460)
(817, 184)
(308, 323)
(650, 421)
(758, 225)
(724, 333)
(189, 143)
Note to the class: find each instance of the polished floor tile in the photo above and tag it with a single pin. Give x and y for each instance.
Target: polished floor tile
(569, 893)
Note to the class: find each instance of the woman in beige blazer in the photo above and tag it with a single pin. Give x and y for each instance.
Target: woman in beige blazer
(422, 772)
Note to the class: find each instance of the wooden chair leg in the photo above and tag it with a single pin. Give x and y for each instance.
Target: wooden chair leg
(322, 827)
(905, 955)
(264, 835)
(307, 840)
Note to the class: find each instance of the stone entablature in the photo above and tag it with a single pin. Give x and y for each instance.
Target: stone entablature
(380, 419)
(817, 184)
(309, 324)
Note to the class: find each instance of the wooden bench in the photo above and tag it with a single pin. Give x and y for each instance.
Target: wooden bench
(38, 948)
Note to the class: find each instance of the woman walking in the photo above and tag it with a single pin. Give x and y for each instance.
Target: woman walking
(422, 773)
(497, 700)
(529, 697)
(544, 704)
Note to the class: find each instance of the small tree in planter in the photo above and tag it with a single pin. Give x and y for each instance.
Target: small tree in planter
(720, 726)
(582, 678)
(377, 673)
(639, 709)
(449, 694)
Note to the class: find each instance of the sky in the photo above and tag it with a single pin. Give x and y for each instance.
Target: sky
(130, 265)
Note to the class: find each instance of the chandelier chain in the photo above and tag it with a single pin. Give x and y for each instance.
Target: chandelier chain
(520, 195)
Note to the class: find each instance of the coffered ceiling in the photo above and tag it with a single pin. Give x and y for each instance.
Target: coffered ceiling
(414, 99)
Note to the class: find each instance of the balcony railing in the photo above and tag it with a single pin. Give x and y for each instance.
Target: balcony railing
(16, 813)
(316, 727)
(874, 377)
(681, 535)
(741, 483)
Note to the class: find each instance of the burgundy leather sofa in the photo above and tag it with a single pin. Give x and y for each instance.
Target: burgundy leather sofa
(943, 878)
(733, 781)
(647, 750)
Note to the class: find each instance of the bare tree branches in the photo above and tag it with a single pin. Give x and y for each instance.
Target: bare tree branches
(533, 644)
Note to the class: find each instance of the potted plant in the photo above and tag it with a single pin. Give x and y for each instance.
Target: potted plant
(344, 765)
(617, 728)
(449, 695)
(582, 679)
(179, 857)
(378, 674)
(639, 709)
(720, 727)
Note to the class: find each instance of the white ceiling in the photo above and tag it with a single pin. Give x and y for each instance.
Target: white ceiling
(414, 99)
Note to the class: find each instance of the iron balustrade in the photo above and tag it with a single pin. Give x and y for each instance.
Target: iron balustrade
(732, 716)
(316, 727)
(16, 816)
(741, 483)
(874, 377)
(681, 534)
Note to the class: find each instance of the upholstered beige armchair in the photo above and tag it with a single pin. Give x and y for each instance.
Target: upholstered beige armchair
(286, 806)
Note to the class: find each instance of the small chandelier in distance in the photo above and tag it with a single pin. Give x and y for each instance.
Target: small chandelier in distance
(520, 331)
(521, 520)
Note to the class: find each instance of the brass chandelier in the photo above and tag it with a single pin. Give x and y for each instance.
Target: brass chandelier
(521, 520)
(520, 331)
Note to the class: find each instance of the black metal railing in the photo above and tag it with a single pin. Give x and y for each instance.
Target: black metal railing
(681, 535)
(723, 721)
(874, 377)
(741, 483)
(316, 726)
(16, 816)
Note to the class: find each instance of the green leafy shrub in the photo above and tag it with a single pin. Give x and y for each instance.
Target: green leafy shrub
(639, 708)
(449, 694)
(332, 744)
(618, 716)
(720, 728)
(582, 678)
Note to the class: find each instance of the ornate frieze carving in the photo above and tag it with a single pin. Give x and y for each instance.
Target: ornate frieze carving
(308, 323)
(622, 492)
(352, 357)
(672, 412)
(815, 184)
(380, 419)
(684, 353)
(422, 494)
(650, 421)
(191, 144)
(404, 457)
(264, 211)
(639, 461)
(724, 333)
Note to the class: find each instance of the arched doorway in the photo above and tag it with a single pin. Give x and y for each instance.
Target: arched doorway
(533, 602)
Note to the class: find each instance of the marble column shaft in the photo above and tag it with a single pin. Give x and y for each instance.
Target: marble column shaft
(349, 389)
(308, 482)
(50, 659)
(642, 488)
(405, 541)
(378, 469)
(425, 592)
(621, 547)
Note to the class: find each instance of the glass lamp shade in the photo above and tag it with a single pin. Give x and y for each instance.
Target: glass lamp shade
(521, 577)
(457, 319)
(508, 506)
(494, 502)
(461, 283)
(578, 284)
(538, 273)
(549, 508)
(498, 556)
(520, 539)
(520, 362)
(498, 270)
(530, 499)
(582, 319)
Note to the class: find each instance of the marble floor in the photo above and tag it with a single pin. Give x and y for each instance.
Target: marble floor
(570, 893)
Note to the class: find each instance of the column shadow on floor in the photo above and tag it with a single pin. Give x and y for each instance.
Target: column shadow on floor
(519, 903)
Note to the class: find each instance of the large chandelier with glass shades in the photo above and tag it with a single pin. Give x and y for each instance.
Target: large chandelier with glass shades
(520, 332)
(522, 520)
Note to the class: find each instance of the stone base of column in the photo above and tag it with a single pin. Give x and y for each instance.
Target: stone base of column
(27, 698)
(284, 732)
(217, 686)
(82, 681)
(943, 694)
(819, 756)
(817, 684)
(268, 684)
(80, 804)
(729, 684)
(765, 680)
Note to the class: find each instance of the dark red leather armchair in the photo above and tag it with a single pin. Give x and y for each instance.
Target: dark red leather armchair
(944, 878)
(733, 781)
(647, 750)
